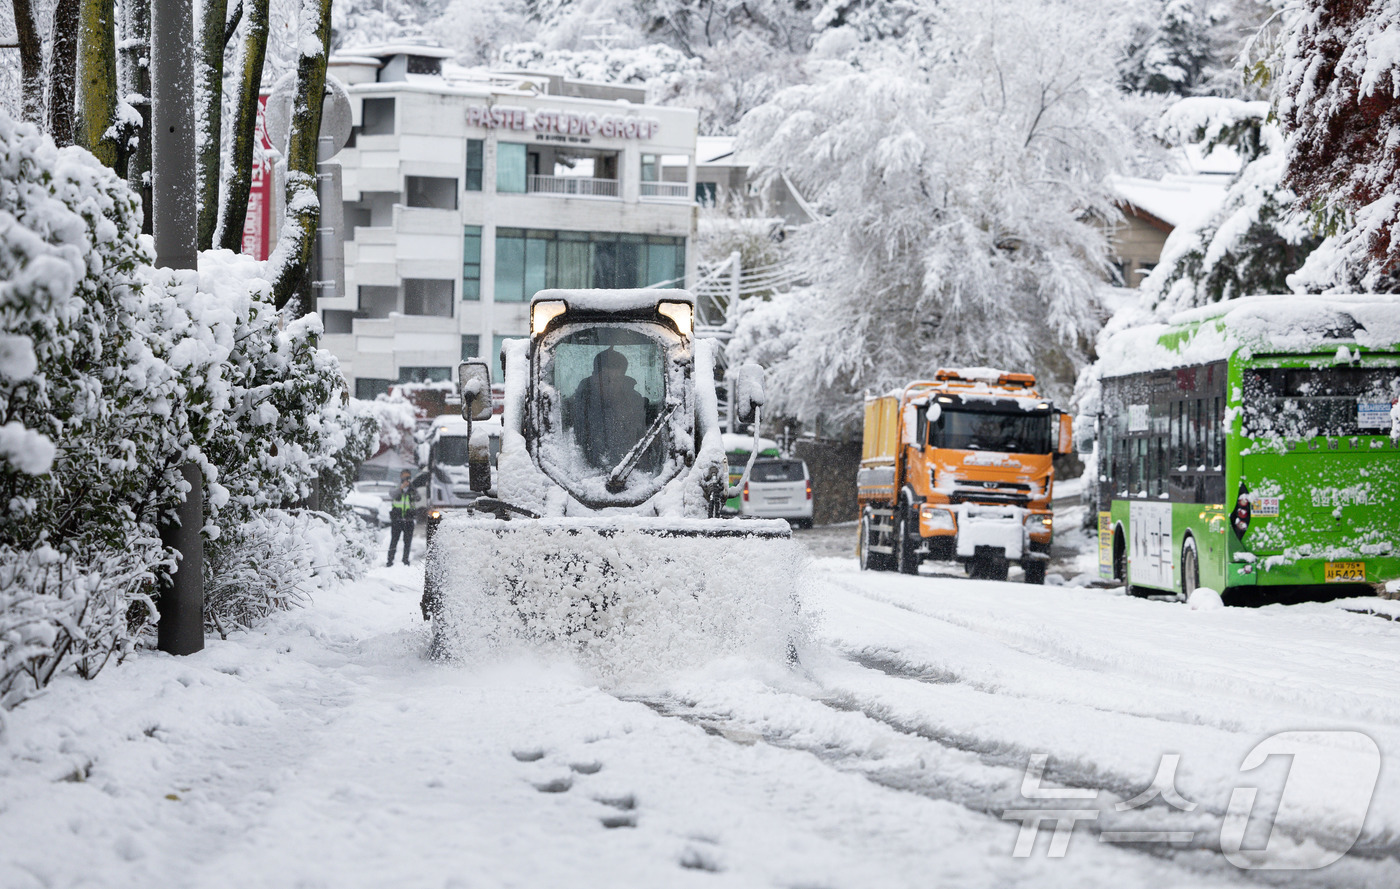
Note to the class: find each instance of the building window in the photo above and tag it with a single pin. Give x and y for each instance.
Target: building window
(437, 193)
(425, 374)
(471, 346)
(530, 260)
(369, 388)
(377, 117)
(378, 302)
(427, 296)
(510, 167)
(651, 168)
(496, 341)
(425, 65)
(475, 164)
(706, 193)
(338, 321)
(471, 262)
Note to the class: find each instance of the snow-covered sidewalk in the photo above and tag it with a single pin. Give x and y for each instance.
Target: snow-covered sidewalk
(325, 749)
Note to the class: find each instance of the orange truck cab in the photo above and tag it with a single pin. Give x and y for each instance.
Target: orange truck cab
(959, 467)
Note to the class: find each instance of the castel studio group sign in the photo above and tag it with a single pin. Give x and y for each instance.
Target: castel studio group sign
(561, 123)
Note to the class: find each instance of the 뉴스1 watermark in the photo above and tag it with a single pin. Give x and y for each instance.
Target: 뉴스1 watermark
(1330, 779)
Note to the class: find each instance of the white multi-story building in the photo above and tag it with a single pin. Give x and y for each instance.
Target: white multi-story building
(465, 197)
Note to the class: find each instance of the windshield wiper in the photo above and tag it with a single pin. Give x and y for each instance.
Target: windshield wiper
(618, 477)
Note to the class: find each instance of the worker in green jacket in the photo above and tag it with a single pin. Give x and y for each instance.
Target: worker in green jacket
(401, 512)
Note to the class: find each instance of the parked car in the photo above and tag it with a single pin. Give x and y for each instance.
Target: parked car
(370, 505)
(779, 489)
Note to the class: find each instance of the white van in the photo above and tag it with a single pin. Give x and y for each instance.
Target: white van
(778, 488)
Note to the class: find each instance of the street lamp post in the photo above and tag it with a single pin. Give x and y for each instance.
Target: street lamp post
(174, 216)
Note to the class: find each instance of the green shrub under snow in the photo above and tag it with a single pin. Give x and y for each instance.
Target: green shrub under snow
(112, 374)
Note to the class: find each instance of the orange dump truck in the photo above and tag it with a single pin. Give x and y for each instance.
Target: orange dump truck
(959, 467)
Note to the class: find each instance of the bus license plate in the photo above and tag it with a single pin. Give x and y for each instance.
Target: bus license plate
(1345, 572)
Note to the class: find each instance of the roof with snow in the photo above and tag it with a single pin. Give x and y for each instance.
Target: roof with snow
(1178, 200)
(384, 50)
(717, 151)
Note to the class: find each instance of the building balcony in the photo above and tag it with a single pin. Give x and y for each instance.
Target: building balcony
(667, 191)
(571, 186)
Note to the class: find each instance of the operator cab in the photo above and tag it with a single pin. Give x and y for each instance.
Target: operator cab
(612, 399)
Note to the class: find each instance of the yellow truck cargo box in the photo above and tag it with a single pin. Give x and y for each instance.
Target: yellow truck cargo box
(881, 439)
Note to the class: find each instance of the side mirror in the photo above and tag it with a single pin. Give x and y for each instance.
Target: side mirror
(1065, 445)
(474, 385)
(748, 392)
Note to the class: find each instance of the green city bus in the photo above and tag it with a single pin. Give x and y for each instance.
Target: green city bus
(1249, 444)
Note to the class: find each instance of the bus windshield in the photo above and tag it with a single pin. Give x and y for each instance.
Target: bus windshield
(1021, 432)
(1306, 402)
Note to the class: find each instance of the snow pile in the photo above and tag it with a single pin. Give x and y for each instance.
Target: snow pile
(626, 598)
(1204, 599)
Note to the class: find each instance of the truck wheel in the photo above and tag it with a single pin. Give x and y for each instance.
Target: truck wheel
(1035, 571)
(868, 561)
(906, 554)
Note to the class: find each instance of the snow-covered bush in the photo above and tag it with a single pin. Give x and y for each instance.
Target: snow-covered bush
(92, 416)
(395, 419)
(114, 373)
(276, 560)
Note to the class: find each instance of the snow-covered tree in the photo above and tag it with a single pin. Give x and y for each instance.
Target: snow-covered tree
(960, 173)
(1173, 46)
(1339, 102)
(1256, 239)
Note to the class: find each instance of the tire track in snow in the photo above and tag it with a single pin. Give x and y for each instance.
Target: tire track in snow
(995, 786)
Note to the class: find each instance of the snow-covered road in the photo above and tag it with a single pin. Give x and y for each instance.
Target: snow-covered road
(324, 750)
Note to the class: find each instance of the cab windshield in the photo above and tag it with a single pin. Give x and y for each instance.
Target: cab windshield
(451, 450)
(612, 385)
(1021, 432)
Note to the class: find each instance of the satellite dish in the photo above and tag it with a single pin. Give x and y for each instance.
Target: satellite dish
(336, 115)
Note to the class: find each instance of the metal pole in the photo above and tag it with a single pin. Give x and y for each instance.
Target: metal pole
(181, 627)
(174, 217)
(172, 140)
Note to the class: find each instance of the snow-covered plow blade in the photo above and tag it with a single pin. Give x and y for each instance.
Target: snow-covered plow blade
(623, 589)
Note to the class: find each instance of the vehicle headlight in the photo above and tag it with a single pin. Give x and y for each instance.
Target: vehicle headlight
(941, 519)
(543, 312)
(680, 313)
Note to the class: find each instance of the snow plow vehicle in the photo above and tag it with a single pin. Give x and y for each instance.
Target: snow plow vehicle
(960, 467)
(610, 482)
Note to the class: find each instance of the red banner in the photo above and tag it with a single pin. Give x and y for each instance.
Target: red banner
(257, 225)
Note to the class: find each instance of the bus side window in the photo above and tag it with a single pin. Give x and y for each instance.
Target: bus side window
(1197, 434)
(1217, 437)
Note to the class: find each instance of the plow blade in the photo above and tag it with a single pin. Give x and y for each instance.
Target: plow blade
(619, 592)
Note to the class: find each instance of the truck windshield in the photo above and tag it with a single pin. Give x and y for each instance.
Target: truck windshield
(1305, 402)
(451, 450)
(613, 387)
(1020, 432)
